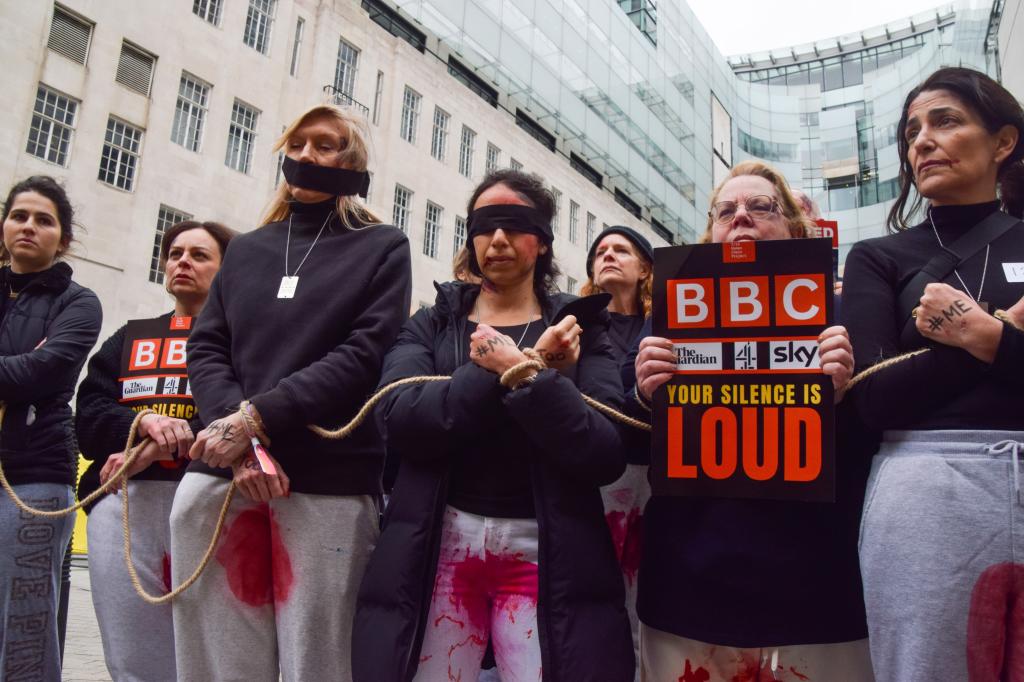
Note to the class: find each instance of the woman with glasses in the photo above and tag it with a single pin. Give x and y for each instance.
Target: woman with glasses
(495, 529)
(738, 589)
(941, 540)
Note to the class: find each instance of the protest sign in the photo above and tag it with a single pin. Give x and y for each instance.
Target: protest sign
(748, 412)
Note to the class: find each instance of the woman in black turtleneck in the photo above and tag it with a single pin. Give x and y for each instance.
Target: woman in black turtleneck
(293, 333)
(939, 531)
(48, 324)
(621, 263)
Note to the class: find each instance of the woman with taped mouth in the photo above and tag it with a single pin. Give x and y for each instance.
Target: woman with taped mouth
(739, 589)
(495, 528)
(138, 638)
(941, 539)
(293, 333)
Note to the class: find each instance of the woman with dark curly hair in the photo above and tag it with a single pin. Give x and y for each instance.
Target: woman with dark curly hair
(495, 528)
(48, 325)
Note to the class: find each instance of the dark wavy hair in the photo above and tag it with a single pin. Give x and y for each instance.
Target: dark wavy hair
(990, 102)
(221, 234)
(52, 190)
(531, 189)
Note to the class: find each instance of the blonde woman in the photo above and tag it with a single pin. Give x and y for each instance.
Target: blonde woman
(294, 332)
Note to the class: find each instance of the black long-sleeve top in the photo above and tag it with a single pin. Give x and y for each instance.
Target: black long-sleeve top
(102, 422)
(946, 388)
(311, 359)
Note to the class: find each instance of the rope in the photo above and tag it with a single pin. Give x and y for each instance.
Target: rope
(112, 482)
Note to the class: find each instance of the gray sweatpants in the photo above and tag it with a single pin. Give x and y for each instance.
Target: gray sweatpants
(279, 594)
(138, 638)
(31, 553)
(942, 526)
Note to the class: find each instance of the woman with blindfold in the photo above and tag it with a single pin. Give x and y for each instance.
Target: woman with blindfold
(495, 528)
(293, 333)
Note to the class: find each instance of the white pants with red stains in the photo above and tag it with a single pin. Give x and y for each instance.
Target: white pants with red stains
(941, 547)
(486, 587)
(138, 638)
(624, 503)
(280, 592)
(669, 658)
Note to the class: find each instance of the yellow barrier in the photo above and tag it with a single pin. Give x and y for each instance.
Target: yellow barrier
(78, 544)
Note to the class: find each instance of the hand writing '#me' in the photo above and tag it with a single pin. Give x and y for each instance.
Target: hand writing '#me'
(935, 323)
(221, 430)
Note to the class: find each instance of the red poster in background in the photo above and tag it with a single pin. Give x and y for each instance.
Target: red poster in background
(829, 229)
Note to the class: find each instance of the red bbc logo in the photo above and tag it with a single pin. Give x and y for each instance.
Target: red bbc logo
(147, 352)
(747, 301)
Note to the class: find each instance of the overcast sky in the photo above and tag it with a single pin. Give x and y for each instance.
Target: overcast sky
(742, 26)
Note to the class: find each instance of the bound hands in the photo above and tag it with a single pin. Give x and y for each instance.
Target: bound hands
(150, 453)
(560, 344)
(222, 443)
(256, 485)
(171, 435)
(952, 318)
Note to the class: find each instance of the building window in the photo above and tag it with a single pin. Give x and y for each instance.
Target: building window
(493, 159)
(460, 235)
(571, 285)
(135, 69)
(432, 229)
(391, 21)
(467, 77)
(410, 114)
(300, 27)
(556, 194)
(535, 130)
(207, 10)
(585, 169)
(165, 218)
(625, 202)
(466, 151)
(69, 35)
(53, 123)
(515, 165)
(345, 71)
(257, 25)
(241, 136)
(190, 112)
(574, 221)
(591, 228)
(439, 140)
(644, 15)
(403, 203)
(378, 93)
(120, 154)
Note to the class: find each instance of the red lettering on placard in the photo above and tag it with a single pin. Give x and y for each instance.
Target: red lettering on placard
(799, 300)
(174, 354)
(744, 301)
(691, 303)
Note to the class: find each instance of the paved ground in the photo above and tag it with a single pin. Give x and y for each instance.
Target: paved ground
(83, 652)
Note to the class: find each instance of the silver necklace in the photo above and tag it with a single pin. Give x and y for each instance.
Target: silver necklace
(479, 318)
(290, 283)
(984, 268)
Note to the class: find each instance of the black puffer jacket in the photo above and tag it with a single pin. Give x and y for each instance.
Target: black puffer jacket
(45, 337)
(572, 449)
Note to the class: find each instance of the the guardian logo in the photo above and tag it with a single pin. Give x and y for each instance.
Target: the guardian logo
(698, 356)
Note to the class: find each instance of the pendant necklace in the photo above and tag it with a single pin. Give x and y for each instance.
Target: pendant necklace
(519, 345)
(984, 268)
(290, 283)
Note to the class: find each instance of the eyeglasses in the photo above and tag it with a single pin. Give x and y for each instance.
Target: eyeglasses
(759, 207)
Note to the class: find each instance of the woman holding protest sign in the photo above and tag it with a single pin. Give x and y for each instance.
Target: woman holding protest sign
(138, 638)
(621, 263)
(48, 325)
(938, 540)
(293, 333)
(495, 527)
(752, 589)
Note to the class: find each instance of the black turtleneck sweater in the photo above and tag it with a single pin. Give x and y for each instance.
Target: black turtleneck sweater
(311, 359)
(946, 388)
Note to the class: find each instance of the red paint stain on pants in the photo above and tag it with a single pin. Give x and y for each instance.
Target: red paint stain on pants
(255, 559)
(995, 625)
(627, 534)
(167, 571)
(698, 675)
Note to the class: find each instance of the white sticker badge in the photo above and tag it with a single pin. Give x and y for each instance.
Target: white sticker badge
(1014, 272)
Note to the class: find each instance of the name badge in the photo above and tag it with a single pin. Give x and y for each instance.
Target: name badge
(287, 288)
(1014, 272)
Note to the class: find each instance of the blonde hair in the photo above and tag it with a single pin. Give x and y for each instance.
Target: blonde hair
(355, 156)
(460, 267)
(644, 289)
(799, 223)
